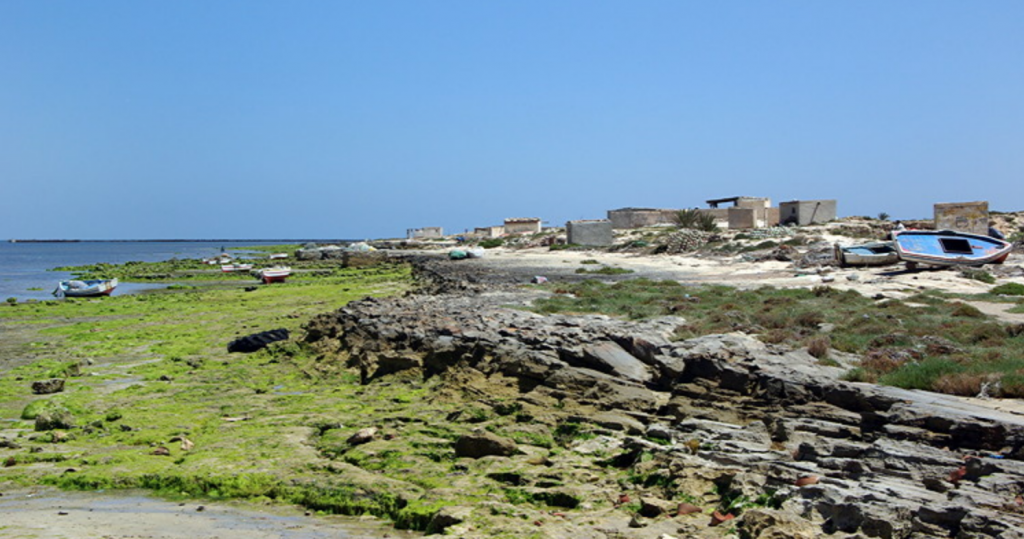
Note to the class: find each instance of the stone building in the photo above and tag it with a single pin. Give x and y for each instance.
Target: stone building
(595, 232)
(969, 217)
(807, 212)
(489, 232)
(745, 212)
(522, 225)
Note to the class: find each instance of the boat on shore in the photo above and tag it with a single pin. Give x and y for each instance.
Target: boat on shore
(85, 289)
(879, 253)
(273, 275)
(949, 248)
(228, 268)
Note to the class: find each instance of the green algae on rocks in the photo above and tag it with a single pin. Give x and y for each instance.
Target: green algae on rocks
(157, 401)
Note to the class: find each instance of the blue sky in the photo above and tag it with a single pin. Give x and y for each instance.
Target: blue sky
(328, 119)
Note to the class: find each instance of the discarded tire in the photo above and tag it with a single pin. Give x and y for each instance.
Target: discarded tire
(252, 343)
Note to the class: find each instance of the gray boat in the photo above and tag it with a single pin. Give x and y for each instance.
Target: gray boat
(878, 253)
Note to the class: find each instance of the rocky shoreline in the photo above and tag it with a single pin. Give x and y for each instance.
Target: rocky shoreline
(721, 434)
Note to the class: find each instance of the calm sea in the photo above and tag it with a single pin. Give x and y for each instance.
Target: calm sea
(26, 266)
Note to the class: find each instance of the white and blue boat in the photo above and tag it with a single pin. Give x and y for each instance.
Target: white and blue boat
(949, 248)
(85, 289)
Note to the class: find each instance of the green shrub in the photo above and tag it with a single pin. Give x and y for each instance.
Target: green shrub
(978, 275)
(605, 270)
(696, 219)
(1008, 289)
(492, 243)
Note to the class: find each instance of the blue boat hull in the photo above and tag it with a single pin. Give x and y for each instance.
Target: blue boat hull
(949, 248)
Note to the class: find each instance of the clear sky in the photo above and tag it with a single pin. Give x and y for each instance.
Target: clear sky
(338, 119)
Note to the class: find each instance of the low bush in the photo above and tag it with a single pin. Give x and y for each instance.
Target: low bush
(1008, 289)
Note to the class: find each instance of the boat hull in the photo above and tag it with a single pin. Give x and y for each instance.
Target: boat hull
(882, 253)
(273, 275)
(949, 248)
(86, 289)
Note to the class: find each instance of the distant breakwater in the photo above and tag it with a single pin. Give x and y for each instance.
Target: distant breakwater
(223, 240)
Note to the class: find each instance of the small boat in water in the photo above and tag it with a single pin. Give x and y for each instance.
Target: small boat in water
(949, 248)
(228, 268)
(879, 253)
(273, 275)
(86, 288)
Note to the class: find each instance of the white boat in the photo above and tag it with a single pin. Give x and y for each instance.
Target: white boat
(273, 275)
(278, 256)
(86, 288)
(228, 268)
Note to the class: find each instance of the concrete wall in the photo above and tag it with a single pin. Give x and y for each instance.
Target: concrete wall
(425, 232)
(741, 218)
(596, 232)
(624, 218)
(807, 212)
(522, 226)
(962, 216)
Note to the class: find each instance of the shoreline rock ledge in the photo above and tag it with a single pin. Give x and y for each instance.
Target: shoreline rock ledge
(721, 413)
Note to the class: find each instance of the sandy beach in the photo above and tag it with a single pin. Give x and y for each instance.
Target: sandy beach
(889, 281)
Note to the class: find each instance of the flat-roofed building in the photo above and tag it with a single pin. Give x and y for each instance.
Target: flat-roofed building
(807, 212)
(522, 225)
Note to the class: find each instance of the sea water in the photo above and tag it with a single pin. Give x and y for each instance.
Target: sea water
(26, 267)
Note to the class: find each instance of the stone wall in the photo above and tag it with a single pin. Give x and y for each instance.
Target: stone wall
(596, 232)
(969, 217)
(626, 218)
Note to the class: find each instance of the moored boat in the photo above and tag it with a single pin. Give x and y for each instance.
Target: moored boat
(949, 248)
(273, 275)
(278, 256)
(228, 268)
(86, 288)
(879, 253)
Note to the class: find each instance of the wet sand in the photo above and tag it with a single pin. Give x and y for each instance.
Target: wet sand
(50, 513)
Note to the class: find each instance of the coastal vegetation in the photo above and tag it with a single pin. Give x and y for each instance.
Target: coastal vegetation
(931, 341)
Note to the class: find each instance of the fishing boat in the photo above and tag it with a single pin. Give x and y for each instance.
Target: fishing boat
(228, 268)
(879, 253)
(949, 248)
(278, 256)
(273, 275)
(86, 288)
